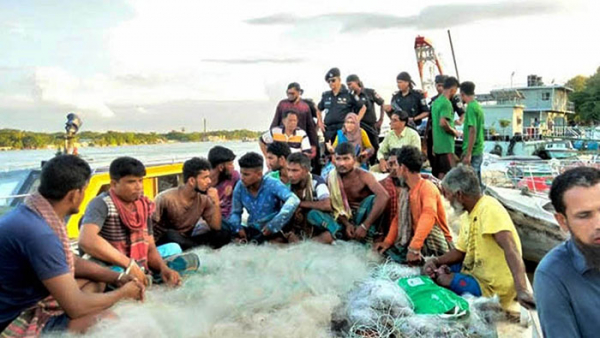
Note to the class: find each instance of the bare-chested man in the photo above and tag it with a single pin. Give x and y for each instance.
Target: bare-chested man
(358, 200)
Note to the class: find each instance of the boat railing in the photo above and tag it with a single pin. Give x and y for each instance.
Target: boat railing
(570, 132)
(537, 176)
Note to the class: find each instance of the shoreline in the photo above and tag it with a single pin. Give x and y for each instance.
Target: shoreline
(92, 146)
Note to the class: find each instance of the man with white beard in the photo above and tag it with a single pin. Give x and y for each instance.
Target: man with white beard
(567, 281)
(487, 258)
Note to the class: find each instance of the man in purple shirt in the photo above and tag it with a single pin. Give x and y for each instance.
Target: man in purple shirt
(223, 176)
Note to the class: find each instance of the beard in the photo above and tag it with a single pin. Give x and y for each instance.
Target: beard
(198, 190)
(342, 170)
(224, 175)
(458, 208)
(591, 253)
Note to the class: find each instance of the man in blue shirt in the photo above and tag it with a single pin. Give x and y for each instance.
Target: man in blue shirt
(567, 281)
(269, 203)
(39, 291)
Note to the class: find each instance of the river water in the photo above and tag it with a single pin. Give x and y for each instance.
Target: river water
(14, 164)
(102, 156)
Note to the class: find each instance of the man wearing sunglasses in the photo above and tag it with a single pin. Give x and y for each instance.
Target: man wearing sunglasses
(337, 103)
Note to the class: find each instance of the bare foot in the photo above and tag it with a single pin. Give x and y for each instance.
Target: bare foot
(324, 238)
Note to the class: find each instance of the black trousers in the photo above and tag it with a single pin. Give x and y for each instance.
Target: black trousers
(373, 134)
(214, 239)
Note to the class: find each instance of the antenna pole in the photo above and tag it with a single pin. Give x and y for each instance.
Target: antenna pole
(453, 56)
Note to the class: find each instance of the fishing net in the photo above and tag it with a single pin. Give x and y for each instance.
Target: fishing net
(249, 291)
(304, 290)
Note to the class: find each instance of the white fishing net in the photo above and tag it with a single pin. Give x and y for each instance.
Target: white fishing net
(249, 291)
(304, 290)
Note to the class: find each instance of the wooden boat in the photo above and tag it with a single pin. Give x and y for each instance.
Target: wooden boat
(533, 217)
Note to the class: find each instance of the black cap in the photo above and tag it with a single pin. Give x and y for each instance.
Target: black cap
(333, 72)
(404, 76)
(352, 78)
(439, 79)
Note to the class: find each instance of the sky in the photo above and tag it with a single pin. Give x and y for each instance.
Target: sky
(146, 65)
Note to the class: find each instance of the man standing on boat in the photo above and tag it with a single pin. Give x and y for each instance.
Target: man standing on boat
(190, 214)
(442, 116)
(303, 109)
(409, 100)
(473, 129)
(117, 225)
(223, 176)
(422, 230)
(269, 203)
(315, 202)
(337, 103)
(358, 200)
(457, 105)
(487, 259)
(44, 288)
(277, 154)
(369, 98)
(567, 280)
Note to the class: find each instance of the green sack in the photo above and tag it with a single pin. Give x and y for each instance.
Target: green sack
(429, 298)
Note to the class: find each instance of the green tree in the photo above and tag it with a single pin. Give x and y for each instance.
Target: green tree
(586, 97)
(577, 83)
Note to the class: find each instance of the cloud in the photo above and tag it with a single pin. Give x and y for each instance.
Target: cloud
(54, 85)
(432, 17)
(256, 61)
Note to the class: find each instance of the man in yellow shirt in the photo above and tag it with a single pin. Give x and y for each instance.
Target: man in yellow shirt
(487, 258)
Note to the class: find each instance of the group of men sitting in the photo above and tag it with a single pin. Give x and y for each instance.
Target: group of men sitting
(130, 242)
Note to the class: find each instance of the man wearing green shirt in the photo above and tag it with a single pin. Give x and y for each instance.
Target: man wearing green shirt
(473, 129)
(398, 137)
(442, 115)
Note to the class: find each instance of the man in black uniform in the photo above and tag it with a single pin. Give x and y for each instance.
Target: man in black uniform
(459, 109)
(369, 98)
(337, 103)
(409, 100)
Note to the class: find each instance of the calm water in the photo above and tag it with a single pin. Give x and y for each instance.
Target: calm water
(102, 156)
(13, 164)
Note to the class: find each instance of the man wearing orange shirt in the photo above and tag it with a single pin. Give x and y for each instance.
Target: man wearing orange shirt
(425, 232)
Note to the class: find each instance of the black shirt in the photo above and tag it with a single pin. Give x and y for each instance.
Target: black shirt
(413, 104)
(369, 98)
(312, 106)
(338, 106)
(457, 104)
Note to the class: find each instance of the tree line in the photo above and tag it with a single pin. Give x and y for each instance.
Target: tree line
(586, 97)
(20, 139)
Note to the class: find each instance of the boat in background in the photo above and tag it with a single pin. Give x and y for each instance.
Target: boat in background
(533, 216)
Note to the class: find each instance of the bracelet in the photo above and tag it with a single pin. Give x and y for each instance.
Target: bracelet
(364, 227)
(416, 252)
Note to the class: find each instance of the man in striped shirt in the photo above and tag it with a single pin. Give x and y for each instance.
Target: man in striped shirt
(289, 133)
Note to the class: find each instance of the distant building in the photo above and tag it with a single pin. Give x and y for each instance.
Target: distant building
(529, 108)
